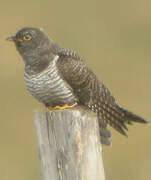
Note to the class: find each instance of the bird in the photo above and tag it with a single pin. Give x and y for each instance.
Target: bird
(59, 78)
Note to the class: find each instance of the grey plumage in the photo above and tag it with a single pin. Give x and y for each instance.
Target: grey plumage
(57, 76)
(40, 85)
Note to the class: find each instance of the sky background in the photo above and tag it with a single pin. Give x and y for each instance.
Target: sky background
(114, 39)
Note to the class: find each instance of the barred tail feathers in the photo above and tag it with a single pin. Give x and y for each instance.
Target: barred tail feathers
(122, 117)
(105, 134)
(130, 117)
(118, 118)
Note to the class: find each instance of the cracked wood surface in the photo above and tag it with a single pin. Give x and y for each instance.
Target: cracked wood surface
(69, 145)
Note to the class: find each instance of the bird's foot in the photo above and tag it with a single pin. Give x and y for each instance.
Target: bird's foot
(65, 106)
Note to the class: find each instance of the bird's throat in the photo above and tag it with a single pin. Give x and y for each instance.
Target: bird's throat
(37, 67)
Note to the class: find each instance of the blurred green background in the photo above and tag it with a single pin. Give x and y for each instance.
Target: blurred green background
(114, 39)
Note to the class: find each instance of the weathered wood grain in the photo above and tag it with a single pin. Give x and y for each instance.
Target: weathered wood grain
(69, 145)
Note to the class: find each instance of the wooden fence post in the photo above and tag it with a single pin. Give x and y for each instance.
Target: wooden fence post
(69, 145)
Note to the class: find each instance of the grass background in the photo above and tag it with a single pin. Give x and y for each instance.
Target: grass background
(114, 39)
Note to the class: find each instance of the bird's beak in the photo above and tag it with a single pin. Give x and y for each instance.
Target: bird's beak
(11, 38)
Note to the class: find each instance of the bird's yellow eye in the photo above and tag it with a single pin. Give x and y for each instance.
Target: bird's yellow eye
(27, 37)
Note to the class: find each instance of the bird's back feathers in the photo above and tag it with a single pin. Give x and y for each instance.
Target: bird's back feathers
(95, 96)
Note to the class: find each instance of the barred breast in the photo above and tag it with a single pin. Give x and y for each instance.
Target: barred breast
(49, 88)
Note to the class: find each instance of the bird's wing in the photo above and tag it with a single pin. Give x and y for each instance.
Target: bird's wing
(94, 95)
(89, 91)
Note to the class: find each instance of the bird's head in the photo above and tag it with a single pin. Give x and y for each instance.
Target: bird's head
(28, 38)
(30, 42)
